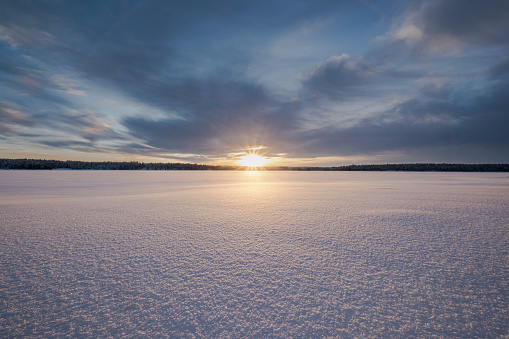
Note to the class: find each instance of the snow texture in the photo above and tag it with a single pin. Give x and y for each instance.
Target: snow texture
(180, 254)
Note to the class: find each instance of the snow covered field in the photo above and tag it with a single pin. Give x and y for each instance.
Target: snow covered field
(254, 254)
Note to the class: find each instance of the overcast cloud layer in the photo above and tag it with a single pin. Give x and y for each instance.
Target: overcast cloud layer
(314, 82)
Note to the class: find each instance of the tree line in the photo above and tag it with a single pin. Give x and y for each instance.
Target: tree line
(43, 164)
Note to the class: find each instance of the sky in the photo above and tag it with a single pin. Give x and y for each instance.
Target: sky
(314, 82)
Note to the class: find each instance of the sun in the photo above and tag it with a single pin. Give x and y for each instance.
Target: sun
(253, 160)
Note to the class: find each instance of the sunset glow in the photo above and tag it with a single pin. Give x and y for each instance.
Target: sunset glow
(253, 160)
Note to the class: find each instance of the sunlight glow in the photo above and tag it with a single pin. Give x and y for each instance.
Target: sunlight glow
(253, 160)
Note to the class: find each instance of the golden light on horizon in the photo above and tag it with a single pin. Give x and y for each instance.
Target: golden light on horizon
(253, 160)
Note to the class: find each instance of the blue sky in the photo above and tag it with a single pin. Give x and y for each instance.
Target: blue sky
(301, 82)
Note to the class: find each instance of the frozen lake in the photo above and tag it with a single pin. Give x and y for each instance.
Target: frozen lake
(254, 254)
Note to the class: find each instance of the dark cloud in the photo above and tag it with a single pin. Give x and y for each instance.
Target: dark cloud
(428, 126)
(421, 126)
(500, 69)
(338, 77)
(215, 115)
(113, 42)
(438, 122)
(449, 25)
(481, 22)
(167, 63)
(119, 49)
(68, 144)
(344, 77)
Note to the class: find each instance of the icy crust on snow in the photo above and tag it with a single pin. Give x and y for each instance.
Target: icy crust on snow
(263, 254)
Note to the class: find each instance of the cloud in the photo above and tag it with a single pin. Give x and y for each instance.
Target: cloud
(71, 125)
(10, 117)
(214, 115)
(67, 84)
(337, 77)
(202, 111)
(86, 125)
(439, 113)
(117, 48)
(423, 126)
(501, 69)
(69, 144)
(16, 35)
(449, 25)
(435, 124)
(22, 78)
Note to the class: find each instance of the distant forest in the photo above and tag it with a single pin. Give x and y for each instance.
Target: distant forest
(38, 164)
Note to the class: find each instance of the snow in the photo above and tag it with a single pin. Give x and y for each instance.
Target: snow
(253, 254)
